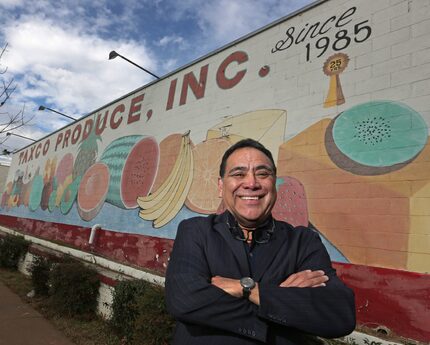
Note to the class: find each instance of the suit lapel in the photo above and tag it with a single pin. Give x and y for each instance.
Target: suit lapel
(220, 225)
(268, 251)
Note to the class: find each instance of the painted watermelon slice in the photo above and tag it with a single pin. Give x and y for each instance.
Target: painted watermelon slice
(92, 191)
(291, 205)
(132, 162)
(380, 133)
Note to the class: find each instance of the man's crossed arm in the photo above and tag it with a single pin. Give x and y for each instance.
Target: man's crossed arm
(307, 278)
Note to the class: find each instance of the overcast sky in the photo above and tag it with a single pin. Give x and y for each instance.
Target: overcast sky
(58, 50)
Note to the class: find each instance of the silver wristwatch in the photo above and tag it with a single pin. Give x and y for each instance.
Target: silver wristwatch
(247, 284)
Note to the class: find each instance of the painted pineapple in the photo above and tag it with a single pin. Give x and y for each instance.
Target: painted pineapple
(87, 154)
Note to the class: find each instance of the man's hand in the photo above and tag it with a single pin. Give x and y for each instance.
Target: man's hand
(306, 278)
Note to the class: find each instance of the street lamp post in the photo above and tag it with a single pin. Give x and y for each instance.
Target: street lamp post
(42, 107)
(19, 135)
(113, 54)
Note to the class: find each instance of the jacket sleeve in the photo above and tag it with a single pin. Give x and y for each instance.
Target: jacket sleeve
(324, 311)
(191, 298)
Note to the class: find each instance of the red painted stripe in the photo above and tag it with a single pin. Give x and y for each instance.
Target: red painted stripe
(396, 299)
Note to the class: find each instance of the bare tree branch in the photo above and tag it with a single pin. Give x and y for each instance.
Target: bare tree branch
(1, 55)
(10, 121)
(7, 90)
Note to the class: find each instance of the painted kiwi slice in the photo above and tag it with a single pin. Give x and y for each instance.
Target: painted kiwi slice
(380, 133)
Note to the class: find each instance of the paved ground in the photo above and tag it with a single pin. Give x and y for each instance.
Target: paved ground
(22, 325)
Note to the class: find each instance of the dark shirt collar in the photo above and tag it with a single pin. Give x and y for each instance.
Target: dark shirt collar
(261, 235)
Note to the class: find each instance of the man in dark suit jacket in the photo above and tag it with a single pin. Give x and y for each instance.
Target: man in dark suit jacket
(244, 278)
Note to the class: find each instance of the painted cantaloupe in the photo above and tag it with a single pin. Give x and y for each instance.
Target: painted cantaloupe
(64, 168)
(92, 191)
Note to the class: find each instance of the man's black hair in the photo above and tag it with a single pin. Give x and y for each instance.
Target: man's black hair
(243, 144)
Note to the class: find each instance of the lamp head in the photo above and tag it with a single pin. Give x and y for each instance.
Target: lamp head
(41, 107)
(113, 54)
(8, 134)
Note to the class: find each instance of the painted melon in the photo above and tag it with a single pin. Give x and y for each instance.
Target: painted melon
(92, 191)
(64, 169)
(203, 194)
(36, 193)
(291, 205)
(380, 133)
(69, 196)
(169, 152)
(132, 163)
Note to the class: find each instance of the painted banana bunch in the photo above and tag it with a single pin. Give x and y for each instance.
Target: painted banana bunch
(163, 205)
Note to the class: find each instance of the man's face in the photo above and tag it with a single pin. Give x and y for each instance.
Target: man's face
(248, 188)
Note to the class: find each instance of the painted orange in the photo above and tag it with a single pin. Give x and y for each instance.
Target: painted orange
(203, 195)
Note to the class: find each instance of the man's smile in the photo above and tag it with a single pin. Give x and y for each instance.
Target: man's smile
(250, 197)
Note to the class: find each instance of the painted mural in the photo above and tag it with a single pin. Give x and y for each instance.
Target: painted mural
(341, 96)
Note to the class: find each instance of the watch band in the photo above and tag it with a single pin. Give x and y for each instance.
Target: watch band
(246, 292)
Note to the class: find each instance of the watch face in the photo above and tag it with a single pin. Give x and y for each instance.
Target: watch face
(247, 283)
